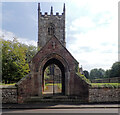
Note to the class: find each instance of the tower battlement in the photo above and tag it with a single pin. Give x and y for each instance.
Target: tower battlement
(49, 25)
(45, 14)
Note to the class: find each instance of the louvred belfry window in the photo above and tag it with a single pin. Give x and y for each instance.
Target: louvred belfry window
(51, 29)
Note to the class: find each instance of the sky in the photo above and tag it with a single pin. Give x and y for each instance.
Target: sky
(91, 28)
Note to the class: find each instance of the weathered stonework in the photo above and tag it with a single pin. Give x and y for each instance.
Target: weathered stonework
(32, 85)
(51, 41)
(104, 95)
(109, 95)
(9, 95)
(44, 23)
(107, 80)
(25, 88)
(81, 88)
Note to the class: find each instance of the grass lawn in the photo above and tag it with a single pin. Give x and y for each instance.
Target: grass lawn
(113, 85)
(58, 84)
(7, 84)
(2, 85)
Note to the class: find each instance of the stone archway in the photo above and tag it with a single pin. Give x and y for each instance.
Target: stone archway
(62, 64)
(55, 53)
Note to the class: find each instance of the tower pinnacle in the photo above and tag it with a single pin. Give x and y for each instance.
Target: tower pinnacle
(38, 6)
(64, 8)
(51, 10)
(50, 25)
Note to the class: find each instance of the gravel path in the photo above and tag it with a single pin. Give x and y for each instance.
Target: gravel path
(49, 89)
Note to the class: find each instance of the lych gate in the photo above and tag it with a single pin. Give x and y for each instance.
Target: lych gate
(54, 58)
(62, 68)
(52, 51)
(49, 55)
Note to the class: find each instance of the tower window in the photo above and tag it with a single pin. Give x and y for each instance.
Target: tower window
(51, 29)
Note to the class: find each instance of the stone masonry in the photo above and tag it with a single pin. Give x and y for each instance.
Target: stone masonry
(49, 25)
(9, 95)
(96, 95)
(32, 85)
(104, 95)
(51, 41)
(107, 80)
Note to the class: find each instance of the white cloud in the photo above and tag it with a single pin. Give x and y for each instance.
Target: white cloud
(10, 36)
(94, 38)
(83, 23)
(27, 41)
(98, 47)
(96, 6)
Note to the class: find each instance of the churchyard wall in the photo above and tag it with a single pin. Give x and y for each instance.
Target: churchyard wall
(96, 95)
(8, 94)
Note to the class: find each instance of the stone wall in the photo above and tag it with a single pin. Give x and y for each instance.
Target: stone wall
(107, 80)
(81, 88)
(104, 94)
(107, 95)
(25, 87)
(44, 22)
(9, 95)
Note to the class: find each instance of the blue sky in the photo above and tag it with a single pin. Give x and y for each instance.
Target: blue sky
(91, 28)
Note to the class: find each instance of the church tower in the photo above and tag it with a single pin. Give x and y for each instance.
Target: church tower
(49, 25)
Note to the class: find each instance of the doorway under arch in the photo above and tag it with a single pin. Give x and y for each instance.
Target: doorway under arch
(54, 62)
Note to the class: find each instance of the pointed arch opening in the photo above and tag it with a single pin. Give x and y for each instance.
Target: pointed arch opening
(51, 29)
(56, 83)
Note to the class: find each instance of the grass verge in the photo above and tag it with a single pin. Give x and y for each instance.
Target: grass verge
(107, 85)
(7, 84)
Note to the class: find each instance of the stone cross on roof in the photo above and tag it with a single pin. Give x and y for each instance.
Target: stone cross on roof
(53, 44)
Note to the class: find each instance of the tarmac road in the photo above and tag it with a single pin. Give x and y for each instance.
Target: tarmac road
(90, 110)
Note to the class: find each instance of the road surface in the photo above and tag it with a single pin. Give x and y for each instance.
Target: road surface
(93, 110)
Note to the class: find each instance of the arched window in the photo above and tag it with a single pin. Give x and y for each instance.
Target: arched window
(51, 29)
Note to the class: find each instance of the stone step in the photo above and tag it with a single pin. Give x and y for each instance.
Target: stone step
(55, 99)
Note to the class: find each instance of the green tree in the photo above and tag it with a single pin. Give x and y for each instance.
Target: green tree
(97, 73)
(93, 74)
(30, 51)
(14, 65)
(107, 73)
(86, 73)
(46, 73)
(115, 70)
(102, 73)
